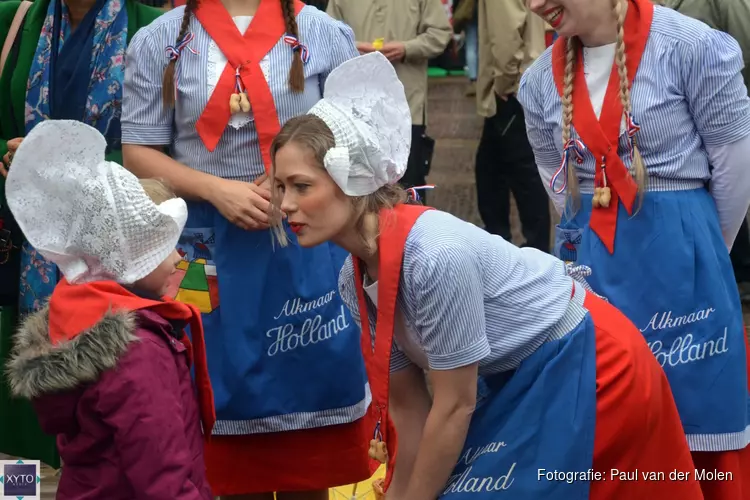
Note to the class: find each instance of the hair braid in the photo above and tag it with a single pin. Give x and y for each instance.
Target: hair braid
(572, 190)
(168, 89)
(297, 71)
(638, 168)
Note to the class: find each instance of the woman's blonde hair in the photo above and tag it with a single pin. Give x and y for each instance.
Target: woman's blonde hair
(310, 132)
(157, 190)
(638, 168)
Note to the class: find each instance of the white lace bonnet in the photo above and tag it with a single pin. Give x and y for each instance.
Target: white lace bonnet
(365, 106)
(89, 216)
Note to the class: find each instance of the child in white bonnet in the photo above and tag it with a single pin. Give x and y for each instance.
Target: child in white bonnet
(106, 363)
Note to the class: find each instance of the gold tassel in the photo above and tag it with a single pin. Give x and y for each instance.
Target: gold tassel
(234, 103)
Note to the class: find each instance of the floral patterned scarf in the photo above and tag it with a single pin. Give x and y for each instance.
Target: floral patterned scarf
(100, 107)
(109, 42)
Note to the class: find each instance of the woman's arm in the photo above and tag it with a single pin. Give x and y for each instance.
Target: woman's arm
(450, 323)
(540, 135)
(720, 107)
(730, 186)
(444, 435)
(409, 405)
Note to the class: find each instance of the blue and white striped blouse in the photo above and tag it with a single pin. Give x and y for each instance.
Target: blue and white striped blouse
(145, 120)
(468, 296)
(688, 94)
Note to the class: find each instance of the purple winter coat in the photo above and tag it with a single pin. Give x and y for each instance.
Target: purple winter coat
(122, 403)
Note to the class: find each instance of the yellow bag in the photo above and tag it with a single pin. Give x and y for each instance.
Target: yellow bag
(360, 491)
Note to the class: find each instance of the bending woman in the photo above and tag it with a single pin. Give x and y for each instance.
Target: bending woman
(214, 82)
(639, 116)
(568, 382)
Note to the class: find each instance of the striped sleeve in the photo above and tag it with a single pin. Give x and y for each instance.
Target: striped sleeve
(341, 46)
(449, 308)
(540, 135)
(399, 361)
(145, 120)
(715, 89)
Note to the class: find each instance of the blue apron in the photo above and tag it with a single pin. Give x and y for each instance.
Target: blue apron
(532, 423)
(282, 347)
(671, 275)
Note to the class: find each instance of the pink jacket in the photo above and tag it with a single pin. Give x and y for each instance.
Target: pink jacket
(121, 400)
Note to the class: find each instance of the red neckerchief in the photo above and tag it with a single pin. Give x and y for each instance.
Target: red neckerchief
(244, 52)
(92, 301)
(395, 225)
(601, 136)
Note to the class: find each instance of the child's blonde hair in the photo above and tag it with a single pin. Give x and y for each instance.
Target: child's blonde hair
(157, 190)
(312, 133)
(638, 168)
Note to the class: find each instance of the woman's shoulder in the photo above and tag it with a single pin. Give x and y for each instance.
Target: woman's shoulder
(542, 66)
(315, 22)
(439, 242)
(163, 29)
(673, 29)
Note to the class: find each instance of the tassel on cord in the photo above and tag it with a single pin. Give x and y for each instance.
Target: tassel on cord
(239, 100)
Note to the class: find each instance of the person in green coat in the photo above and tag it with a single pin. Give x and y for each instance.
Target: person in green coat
(66, 62)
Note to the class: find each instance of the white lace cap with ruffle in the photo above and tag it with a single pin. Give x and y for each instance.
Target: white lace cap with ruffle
(365, 106)
(89, 216)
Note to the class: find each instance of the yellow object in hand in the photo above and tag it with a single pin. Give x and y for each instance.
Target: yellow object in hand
(378, 43)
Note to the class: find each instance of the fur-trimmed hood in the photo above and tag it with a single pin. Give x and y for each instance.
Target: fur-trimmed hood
(37, 367)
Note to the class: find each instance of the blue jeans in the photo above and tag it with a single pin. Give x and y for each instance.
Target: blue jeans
(472, 50)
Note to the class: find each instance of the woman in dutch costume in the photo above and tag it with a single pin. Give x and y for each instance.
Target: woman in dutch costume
(567, 382)
(641, 117)
(214, 81)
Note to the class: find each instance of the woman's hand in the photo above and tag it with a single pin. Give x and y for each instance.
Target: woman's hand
(244, 204)
(12, 147)
(365, 48)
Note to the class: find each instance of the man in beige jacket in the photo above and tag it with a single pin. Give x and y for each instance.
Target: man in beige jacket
(411, 33)
(510, 39)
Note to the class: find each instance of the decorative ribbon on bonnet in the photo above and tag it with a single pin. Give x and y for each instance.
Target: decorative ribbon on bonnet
(413, 191)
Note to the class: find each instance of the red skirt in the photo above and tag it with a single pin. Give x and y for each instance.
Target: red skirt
(638, 430)
(306, 460)
(725, 475)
